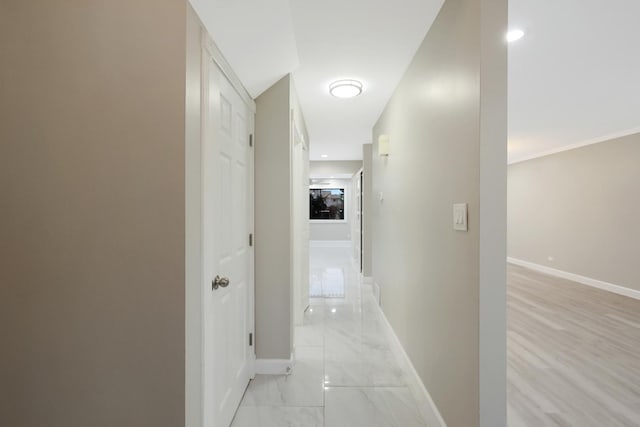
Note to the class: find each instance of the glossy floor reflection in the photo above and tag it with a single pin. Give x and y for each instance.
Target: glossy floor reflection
(326, 283)
(345, 373)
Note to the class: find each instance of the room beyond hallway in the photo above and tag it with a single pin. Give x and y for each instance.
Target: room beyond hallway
(572, 353)
(345, 373)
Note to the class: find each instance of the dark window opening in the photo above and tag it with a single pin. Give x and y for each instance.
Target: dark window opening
(326, 203)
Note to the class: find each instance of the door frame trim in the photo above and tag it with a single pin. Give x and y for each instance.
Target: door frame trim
(195, 285)
(210, 46)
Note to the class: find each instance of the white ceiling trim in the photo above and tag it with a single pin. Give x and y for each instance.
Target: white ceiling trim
(592, 141)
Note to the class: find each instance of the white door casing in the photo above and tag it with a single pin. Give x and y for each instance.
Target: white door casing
(227, 182)
(304, 221)
(356, 223)
(300, 221)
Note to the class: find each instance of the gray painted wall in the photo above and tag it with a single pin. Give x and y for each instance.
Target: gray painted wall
(493, 213)
(448, 145)
(92, 224)
(579, 207)
(273, 223)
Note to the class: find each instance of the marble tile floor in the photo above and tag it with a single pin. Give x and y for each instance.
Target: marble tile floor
(345, 373)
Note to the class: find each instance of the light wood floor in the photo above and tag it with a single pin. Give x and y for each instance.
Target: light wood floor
(573, 354)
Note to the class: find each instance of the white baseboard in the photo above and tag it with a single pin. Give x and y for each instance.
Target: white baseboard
(426, 406)
(274, 366)
(594, 283)
(376, 291)
(330, 243)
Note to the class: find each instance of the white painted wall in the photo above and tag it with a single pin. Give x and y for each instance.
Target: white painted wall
(327, 168)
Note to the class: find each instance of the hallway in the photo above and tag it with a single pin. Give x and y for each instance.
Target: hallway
(345, 372)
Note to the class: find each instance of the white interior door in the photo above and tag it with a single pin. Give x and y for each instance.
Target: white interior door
(228, 256)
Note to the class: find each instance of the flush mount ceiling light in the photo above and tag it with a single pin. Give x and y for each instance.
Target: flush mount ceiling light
(324, 156)
(345, 88)
(514, 35)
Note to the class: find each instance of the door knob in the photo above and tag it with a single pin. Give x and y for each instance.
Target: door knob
(219, 282)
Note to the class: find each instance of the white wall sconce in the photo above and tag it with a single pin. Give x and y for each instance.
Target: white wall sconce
(383, 145)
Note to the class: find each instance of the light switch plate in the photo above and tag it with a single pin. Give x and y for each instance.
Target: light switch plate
(460, 216)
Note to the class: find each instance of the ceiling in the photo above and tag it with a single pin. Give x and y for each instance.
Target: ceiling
(572, 77)
(319, 42)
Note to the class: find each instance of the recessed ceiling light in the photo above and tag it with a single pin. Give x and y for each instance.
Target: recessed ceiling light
(324, 156)
(514, 35)
(345, 88)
